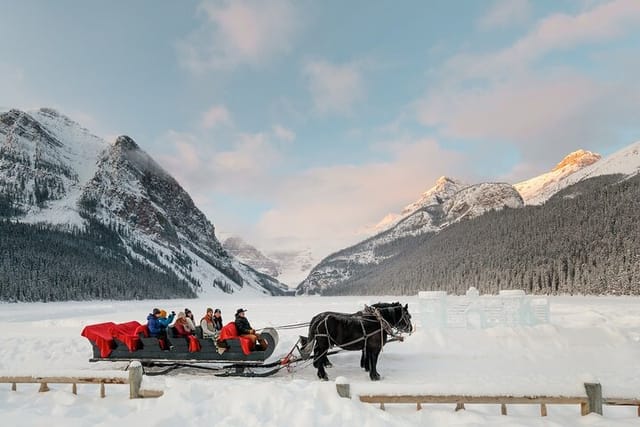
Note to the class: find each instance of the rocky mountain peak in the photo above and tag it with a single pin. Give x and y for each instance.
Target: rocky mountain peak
(578, 159)
(443, 189)
(250, 255)
(16, 123)
(125, 142)
(443, 180)
(538, 189)
(54, 171)
(477, 199)
(53, 114)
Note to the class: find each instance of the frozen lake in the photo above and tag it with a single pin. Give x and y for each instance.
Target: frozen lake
(589, 339)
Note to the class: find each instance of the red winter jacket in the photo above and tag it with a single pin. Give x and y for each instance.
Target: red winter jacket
(180, 330)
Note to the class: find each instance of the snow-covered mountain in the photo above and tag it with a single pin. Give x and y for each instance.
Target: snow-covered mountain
(577, 167)
(537, 190)
(475, 200)
(250, 255)
(53, 171)
(450, 201)
(289, 267)
(444, 188)
(447, 202)
(293, 265)
(45, 160)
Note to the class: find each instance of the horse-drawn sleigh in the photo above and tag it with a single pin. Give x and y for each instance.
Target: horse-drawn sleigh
(366, 330)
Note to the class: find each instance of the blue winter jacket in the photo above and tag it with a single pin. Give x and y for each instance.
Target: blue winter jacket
(157, 325)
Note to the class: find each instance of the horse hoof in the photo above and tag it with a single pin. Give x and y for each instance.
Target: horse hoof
(375, 377)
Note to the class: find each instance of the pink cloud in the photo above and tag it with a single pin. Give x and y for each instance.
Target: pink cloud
(334, 88)
(329, 208)
(603, 22)
(214, 116)
(243, 168)
(505, 13)
(544, 112)
(324, 208)
(240, 32)
(252, 157)
(283, 133)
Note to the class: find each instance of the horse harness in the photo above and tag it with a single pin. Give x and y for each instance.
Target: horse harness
(385, 326)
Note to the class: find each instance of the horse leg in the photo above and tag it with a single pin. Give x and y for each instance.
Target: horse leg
(364, 361)
(320, 358)
(373, 365)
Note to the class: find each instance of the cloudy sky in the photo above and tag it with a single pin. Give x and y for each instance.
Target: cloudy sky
(299, 124)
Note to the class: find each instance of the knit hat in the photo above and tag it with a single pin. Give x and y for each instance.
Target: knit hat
(163, 313)
(181, 315)
(156, 311)
(240, 310)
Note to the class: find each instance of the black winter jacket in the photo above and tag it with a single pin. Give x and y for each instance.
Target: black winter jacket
(242, 325)
(217, 323)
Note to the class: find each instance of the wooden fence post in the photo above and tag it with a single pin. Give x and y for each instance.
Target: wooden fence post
(594, 399)
(503, 409)
(135, 379)
(344, 390)
(543, 409)
(43, 387)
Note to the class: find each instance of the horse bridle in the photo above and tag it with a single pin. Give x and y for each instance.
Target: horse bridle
(392, 330)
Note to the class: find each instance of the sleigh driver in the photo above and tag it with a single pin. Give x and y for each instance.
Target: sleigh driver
(245, 330)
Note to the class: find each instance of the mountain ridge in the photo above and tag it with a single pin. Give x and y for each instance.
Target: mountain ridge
(424, 219)
(53, 171)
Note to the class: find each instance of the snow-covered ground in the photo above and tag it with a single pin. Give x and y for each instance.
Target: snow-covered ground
(589, 339)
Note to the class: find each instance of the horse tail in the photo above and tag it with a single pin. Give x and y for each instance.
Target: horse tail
(313, 328)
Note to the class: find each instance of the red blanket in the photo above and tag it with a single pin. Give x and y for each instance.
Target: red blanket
(126, 332)
(194, 344)
(229, 331)
(103, 334)
(100, 334)
(142, 329)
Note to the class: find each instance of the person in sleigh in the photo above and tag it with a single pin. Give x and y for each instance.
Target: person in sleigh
(245, 330)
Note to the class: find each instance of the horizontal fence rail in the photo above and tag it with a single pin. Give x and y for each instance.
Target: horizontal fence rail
(134, 380)
(591, 402)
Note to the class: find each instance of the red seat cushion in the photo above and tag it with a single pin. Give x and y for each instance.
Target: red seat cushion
(229, 331)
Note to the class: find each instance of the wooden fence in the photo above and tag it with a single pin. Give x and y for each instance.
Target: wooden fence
(134, 380)
(591, 402)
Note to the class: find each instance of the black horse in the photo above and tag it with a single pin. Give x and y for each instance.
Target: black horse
(321, 316)
(365, 330)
